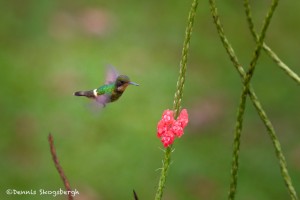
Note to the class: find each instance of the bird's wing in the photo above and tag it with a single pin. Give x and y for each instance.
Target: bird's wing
(111, 75)
(103, 99)
(104, 94)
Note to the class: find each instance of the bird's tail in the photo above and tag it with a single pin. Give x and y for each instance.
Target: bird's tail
(89, 93)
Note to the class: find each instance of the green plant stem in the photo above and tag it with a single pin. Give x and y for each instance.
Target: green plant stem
(277, 147)
(255, 101)
(183, 63)
(178, 94)
(267, 49)
(242, 105)
(275, 141)
(163, 176)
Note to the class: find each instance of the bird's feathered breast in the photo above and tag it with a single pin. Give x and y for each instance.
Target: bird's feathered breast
(110, 91)
(106, 89)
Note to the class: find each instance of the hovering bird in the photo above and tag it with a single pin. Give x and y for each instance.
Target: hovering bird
(111, 91)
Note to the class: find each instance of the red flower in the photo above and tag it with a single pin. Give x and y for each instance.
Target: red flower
(167, 138)
(168, 128)
(177, 129)
(183, 118)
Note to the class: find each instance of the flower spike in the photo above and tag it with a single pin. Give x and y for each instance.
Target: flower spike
(168, 128)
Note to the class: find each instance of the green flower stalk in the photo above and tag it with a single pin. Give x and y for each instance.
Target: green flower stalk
(183, 62)
(294, 76)
(258, 107)
(267, 49)
(178, 96)
(242, 105)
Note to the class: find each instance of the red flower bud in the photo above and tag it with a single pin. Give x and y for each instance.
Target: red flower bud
(168, 128)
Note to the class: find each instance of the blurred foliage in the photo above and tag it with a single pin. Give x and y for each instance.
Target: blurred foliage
(49, 49)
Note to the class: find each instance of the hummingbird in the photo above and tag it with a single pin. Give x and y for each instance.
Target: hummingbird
(111, 91)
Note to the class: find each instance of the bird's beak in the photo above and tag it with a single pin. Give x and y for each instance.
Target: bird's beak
(133, 83)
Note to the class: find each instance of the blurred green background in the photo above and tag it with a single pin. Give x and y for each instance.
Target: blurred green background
(49, 49)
